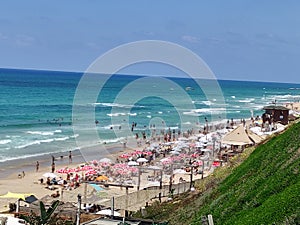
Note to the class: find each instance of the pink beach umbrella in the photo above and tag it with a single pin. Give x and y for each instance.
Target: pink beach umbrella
(124, 156)
(216, 164)
(198, 163)
(91, 172)
(194, 155)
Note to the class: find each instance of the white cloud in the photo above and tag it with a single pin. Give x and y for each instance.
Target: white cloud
(24, 40)
(190, 39)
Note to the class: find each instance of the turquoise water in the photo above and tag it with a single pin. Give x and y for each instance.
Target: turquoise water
(36, 108)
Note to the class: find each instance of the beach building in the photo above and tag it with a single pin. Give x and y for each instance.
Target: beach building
(276, 113)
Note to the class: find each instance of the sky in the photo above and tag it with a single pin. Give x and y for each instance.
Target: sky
(239, 40)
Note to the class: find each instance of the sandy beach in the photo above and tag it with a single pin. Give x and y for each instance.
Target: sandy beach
(200, 149)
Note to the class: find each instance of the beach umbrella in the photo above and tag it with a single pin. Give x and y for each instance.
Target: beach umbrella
(175, 152)
(154, 167)
(142, 160)
(194, 155)
(91, 172)
(51, 175)
(15, 195)
(164, 159)
(105, 160)
(132, 163)
(124, 156)
(216, 163)
(183, 139)
(179, 171)
(102, 178)
(108, 212)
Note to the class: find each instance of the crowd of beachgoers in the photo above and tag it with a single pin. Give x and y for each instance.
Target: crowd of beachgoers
(171, 157)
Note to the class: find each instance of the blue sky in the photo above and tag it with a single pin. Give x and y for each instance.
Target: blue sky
(239, 40)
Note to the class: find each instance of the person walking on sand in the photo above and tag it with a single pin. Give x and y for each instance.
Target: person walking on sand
(53, 167)
(70, 157)
(37, 166)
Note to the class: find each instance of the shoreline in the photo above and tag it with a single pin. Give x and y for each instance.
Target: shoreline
(11, 168)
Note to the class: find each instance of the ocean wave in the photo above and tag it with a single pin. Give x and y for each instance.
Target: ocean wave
(116, 114)
(108, 104)
(61, 139)
(247, 100)
(38, 142)
(198, 112)
(5, 141)
(44, 133)
(207, 103)
(149, 116)
(121, 114)
(160, 112)
(108, 141)
(74, 136)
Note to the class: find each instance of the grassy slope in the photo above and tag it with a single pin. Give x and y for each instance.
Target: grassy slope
(264, 189)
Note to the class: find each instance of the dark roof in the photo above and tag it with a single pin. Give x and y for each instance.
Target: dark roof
(275, 107)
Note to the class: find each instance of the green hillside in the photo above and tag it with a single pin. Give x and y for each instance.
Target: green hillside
(263, 189)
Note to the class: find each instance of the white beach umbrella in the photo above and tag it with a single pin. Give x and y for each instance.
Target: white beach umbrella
(154, 167)
(142, 160)
(175, 152)
(51, 175)
(179, 171)
(105, 160)
(183, 139)
(164, 159)
(132, 163)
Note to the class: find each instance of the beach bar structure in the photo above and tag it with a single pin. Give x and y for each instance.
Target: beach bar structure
(276, 113)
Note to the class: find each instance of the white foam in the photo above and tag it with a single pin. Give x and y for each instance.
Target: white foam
(197, 112)
(160, 112)
(207, 103)
(247, 100)
(132, 114)
(5, 141)
(116, 114)
(44, 133)
(108, 104)
(61, 139)
(107, 141)
(149, 116)
(232, 96)
(38, 142)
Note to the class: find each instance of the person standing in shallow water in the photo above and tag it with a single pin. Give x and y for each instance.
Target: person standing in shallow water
(70, 157)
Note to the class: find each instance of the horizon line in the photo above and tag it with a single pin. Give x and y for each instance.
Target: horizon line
(147, 75)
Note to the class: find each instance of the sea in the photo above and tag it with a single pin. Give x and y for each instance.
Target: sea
(40, 112)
